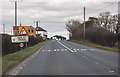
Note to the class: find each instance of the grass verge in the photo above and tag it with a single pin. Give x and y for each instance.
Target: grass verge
(14, 58)
(95, 45)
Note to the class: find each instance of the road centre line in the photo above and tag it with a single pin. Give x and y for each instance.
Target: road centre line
(65, 46)
(97, 63)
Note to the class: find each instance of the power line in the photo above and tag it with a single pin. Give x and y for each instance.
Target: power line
(108, 6)
(105, 6)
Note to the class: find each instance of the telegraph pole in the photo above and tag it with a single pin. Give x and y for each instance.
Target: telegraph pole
(16, 18)
(16, 31)
(11, 31)
(84, 26)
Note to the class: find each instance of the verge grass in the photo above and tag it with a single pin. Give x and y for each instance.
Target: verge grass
(96, 45)
(14, 58)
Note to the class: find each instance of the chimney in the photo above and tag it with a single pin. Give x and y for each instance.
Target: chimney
(37, 23)
(20, 24)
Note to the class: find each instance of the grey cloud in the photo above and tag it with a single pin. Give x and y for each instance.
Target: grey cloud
(52, 15)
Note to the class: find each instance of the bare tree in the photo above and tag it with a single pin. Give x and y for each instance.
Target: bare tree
(98, 30)
(75, 27)
(108, 21)
(114, 23)
(92, 22)
(104, 19)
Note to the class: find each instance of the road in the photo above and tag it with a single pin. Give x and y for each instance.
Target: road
(67, 58)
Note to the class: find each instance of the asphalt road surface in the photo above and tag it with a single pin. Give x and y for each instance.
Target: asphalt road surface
(67, 58)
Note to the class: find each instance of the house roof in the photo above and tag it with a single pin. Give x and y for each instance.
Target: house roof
(40, 29)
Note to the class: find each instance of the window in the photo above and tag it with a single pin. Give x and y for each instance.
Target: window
(32, 31)
(29, 31)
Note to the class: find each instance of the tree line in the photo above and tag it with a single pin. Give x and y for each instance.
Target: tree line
(102, 29)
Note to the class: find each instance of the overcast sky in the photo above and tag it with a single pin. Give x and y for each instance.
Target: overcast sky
(52, 14)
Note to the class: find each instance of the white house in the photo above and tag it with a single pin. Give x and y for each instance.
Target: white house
(41, 32)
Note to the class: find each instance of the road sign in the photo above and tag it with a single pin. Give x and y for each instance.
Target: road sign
(23, 30)
(21, 45)
(19, 39)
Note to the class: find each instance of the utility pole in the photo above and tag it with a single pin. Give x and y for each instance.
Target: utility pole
(84, 26)
(11, 31)
(16, 32)
(3, 28)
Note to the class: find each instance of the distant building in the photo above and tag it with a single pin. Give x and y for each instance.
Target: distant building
(41, 32)
(32, 31)
(57, 37)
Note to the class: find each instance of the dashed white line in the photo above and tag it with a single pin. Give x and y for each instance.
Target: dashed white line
(65, 47)
(84, 56)
(111, 71)
(55, 50)
(62, 49)
(96, 62)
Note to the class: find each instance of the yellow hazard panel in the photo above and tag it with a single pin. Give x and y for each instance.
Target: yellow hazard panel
(23, 29)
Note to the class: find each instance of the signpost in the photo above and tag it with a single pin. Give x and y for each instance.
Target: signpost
(21, 40)
(21, 45)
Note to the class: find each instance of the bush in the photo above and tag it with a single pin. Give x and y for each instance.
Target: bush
(9, 47)
(101, 36)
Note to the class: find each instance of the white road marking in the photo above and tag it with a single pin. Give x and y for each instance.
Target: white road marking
(62, 49)
(20, 66)
(111, 71)
(65, 47)
(75, 50)
(84, 56)
(43, 50)
(92, 49)
(54, 49)
(97, 63)
(84, 49)
(57, 49)
(81, 49)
